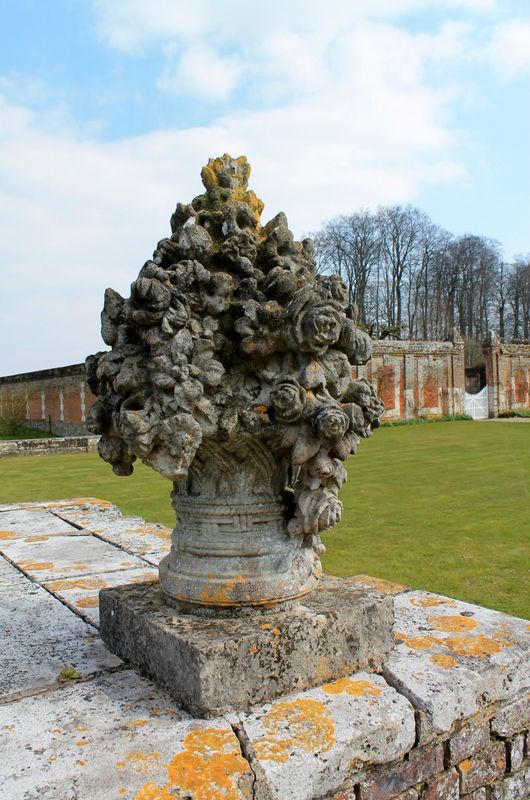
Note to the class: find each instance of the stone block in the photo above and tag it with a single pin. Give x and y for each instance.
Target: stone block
(513, 718)
(343, 627)
(116, 738)
(452, 658)
(513, 787)
(420, 766)
(467, 742)
(40, 637)
(443, 787)
(483, 768)
(515, 752)
(58, 556)
(325, 739)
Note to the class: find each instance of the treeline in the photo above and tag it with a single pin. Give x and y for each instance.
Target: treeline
(408, 278)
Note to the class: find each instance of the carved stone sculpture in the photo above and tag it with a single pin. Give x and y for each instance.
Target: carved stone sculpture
(230, 373)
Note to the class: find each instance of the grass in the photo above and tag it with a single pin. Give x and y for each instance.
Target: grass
(441, 507)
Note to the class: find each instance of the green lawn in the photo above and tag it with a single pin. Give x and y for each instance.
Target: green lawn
(442, 507)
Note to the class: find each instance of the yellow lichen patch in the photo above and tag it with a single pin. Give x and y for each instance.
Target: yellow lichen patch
(144, 578)
(420, 642)
(209, 768)
(140, 762)
(36, 538)
(477, 646)
(76, 583)
(6, 535)
(36, 566)
(135, 723)
(454, 624)
(466, 765)
(152, 791)
(83, 742)
(163, 712)
(79, 566)
(385, 587)
(87, 602)
(222, 595)
(304, 724)
(355, 688)
(431, 602)
(80, 762)
(444, 661)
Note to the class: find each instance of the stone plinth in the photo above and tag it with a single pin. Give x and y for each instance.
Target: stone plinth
(212, 662)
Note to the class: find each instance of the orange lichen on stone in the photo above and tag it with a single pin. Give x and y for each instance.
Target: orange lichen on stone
(76, 583)
(209, 768)
(476, 646)
(385, 587)
(36, 566)
(355, 688)
(453, 624)
(6, 535)
(36, 538)
(140, 762)
(466, 765)
(420, 642)
(304, 724)
(152, 791)
(444, 661)
(431, 602)
(87, 602)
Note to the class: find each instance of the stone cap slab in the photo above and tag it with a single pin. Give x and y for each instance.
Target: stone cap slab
(451, 658)
(310, 743)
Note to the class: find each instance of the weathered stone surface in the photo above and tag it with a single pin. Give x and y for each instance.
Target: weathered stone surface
(24, 522)
(149, 540)
(443, 787)
(452, 658)
(340, 628)
(478, 794)
(230, 373)
(61, 556)
(9, 575)
(116, 737)
(513, 718)
(310, 743)
(468, 742)
(40, 637)
(513, 787)
(421, 765)
(515, 752)
(482, 768)
(82, 594)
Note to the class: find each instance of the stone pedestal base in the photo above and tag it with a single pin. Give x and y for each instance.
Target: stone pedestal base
(214, 661)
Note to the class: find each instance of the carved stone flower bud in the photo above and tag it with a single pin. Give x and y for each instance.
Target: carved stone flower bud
(321, 326)
(330, 422)
(356, 343)
(288, 400)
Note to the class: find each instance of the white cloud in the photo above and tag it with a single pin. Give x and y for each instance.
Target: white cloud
(509, 49)
(199, 70)
(283, 48)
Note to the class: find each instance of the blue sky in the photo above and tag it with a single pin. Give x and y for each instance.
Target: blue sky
(109, 108)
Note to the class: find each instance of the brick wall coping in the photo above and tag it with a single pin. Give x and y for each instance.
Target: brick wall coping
(45, 374)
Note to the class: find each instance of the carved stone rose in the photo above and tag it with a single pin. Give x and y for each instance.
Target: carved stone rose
(230, 373)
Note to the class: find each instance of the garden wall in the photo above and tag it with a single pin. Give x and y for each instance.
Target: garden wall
(55, 400)
(507, 375)
(417, 378)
